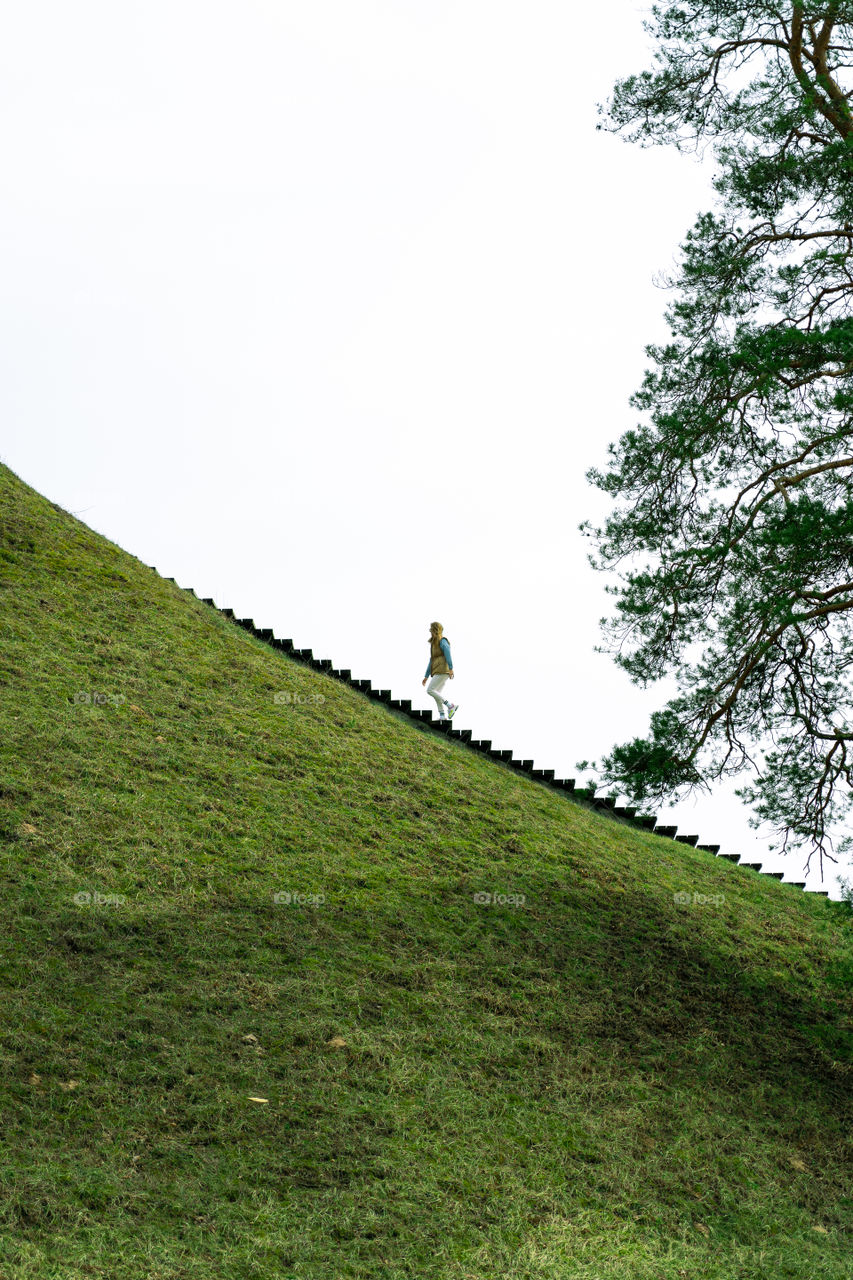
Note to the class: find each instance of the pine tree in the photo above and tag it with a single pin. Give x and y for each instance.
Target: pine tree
(731, 534)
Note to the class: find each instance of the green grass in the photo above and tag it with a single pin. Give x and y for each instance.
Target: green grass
(596, 1084)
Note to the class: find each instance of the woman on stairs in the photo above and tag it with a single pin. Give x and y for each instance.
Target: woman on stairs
(440, 667)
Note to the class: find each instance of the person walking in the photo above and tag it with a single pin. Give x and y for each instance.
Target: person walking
(440, 668)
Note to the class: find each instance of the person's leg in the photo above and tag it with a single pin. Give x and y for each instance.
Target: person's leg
(434, 689)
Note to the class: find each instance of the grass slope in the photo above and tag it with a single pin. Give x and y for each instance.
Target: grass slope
(595, 1083)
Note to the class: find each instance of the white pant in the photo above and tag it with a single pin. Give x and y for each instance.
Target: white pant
(434, 689)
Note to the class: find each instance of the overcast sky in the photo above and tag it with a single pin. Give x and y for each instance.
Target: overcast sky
(325, 309)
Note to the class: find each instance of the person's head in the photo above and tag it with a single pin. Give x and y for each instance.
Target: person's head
(436, 630)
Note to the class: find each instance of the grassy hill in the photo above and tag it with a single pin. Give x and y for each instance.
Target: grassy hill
(587, 1081)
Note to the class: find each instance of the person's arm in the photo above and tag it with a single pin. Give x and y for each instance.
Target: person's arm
(426, 673)
(445, 649)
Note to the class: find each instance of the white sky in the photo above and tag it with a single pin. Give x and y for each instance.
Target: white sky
(325, 308)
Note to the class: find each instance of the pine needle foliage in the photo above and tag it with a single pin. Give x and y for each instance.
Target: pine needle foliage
(731, 535)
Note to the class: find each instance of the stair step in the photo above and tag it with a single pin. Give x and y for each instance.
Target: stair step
(603, 803)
